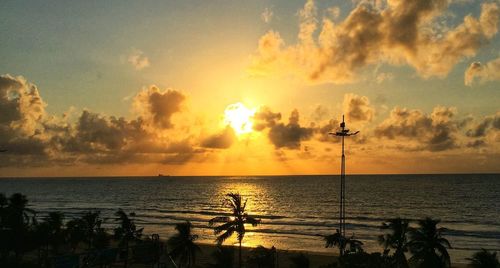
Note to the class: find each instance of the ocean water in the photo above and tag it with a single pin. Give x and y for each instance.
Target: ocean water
(294, 209)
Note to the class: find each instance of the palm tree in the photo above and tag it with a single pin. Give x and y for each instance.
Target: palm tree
(396, 238)
(343, 243)
(183, 247)
(90, 222)
(126, 231)
(55, 226)
(484, 259)
(75, 232)
(427, 245)
(17, 221)
(234, 223)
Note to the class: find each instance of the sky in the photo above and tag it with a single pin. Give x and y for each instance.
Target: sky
(137, 88)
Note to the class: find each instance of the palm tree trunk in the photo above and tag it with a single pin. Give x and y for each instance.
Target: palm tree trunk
(125, 263)
(239, 255)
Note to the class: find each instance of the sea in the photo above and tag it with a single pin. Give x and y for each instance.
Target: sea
(295, 211)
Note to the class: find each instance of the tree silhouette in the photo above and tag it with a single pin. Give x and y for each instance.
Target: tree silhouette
(427, 245)
(17, 218)
(183, 248)
(484, 259)
(75, 232)
(126, 231)
(234, 223)
(55, 226)
(396, 238)
(343, 243)
(90, 222)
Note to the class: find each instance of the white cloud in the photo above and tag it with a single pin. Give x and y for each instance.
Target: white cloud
(138, 59)
(267, 15)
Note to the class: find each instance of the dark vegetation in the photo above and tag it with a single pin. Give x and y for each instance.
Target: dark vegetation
(29, 240)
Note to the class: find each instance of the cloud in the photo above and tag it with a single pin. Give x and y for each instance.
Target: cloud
(222, 140)
(267, 15)
(282, 135)
(357, 108)
(481, 129)
(320, 113)
(157, 106)
(138, 59)
(382, 77)
(487, 72)
(419, 131)
(21, 111)
(265, 118)
(21, 106)
(323, 132)
(35, 138)
(401, 32)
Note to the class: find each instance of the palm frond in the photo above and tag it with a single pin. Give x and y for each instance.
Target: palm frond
(218, 219)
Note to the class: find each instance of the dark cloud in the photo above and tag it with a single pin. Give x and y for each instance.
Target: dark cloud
(21, 111)
(357, 108)
(323, 132)
(98, 133)
(221, 140)
(34, 138)
(482, 128)
(476, 144)
(434, 132)
(281, 135)
(158, 106)
(265, 118)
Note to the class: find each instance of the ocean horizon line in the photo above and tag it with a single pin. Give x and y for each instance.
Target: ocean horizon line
(165, 176)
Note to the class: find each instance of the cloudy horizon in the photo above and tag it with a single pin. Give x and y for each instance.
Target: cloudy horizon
(249, 88)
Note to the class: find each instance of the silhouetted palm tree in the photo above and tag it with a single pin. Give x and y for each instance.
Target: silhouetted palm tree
(126, 231)
(101, 239)
(90, 222)
(427, 245)
(344, 244)
(75, 232)
(55, 224)
(396, 238)
(484, 259)
(236, 223)
(17, 221)
(183, 248)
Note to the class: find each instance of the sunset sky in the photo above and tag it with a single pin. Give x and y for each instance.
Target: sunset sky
(93, 88)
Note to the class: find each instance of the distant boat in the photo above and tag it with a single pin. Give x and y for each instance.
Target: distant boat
(162, 175)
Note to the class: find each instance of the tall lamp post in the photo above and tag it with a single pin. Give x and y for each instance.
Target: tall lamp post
(343, 133)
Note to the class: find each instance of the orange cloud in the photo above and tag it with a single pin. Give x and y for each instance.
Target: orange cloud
(484, 72)
(400, 33)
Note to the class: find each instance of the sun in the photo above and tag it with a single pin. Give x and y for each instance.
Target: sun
(238, 116)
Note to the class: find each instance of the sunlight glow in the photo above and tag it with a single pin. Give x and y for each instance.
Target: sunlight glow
(238, 116)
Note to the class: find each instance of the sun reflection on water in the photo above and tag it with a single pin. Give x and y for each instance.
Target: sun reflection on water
(256, 196)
